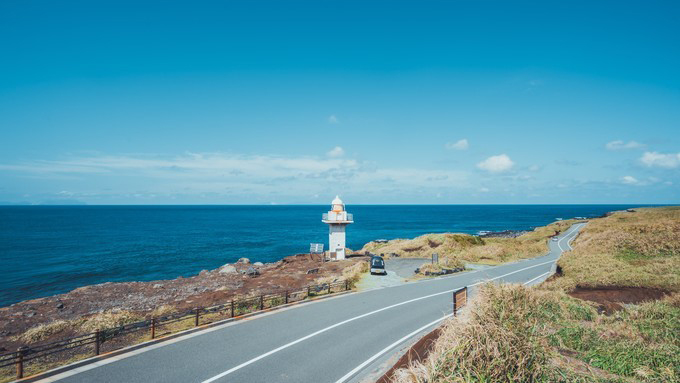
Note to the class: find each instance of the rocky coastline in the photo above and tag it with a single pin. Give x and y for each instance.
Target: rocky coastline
(503, 234)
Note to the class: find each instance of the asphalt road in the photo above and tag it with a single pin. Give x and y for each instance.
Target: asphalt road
(405, 267)
(340, 339)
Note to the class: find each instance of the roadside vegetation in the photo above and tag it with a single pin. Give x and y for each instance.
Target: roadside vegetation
(470, 248)
(638, 249)
(452, 262)
(512, 333)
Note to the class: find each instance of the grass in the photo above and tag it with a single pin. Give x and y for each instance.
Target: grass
(469, 248)
(451, 262)
(511, 333)
(353, 273)
(516, 334)
(640, 249)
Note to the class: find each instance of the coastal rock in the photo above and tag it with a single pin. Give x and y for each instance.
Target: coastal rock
(252, 272)
(243, 260)
(60, 305)
(157, 285)
(258, 264)
(227, 269)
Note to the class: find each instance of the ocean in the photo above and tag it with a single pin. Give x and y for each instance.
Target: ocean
(47, 250)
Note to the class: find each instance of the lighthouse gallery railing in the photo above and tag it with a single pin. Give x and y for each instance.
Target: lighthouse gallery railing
(349, 217)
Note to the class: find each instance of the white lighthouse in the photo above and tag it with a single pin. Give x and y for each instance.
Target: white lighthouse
(337, 219)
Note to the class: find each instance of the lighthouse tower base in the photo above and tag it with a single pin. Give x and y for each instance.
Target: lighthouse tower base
(336, 240)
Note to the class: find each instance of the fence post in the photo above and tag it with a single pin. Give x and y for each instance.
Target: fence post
(153, 328)
(232, 307)
(346, 284)
(329, 288)
(20, 361)
(286, 296)
(309, 291)
(261, 302)
(198, 312)
(97, 341)
(454, 303)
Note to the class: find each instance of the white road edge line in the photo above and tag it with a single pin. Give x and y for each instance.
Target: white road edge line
(538, 277)
(253, 360)
(388, 348)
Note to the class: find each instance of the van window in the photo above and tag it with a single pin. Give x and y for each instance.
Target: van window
(378, 262)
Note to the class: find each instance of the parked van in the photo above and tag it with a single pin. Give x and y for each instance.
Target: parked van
(377, 265)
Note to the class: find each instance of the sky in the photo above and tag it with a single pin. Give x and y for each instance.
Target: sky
(397, 102)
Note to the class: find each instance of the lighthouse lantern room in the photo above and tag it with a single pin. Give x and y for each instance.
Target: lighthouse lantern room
(337, 219)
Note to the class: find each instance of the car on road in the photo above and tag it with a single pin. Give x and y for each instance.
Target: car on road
(377, 265)
(554, 239)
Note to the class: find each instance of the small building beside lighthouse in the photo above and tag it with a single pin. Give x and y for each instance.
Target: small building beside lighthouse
(337, 219)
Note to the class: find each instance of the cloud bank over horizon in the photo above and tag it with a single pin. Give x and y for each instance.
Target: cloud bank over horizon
(216, 177)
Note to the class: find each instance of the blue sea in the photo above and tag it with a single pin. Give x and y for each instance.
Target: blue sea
(47, 250)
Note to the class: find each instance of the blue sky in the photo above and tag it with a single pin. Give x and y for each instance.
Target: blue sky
(381, 102)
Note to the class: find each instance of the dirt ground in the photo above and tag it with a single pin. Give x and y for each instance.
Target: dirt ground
(208, 288)
(612, 299)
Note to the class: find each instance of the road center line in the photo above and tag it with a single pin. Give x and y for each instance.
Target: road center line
(285, 346)
(571, 230)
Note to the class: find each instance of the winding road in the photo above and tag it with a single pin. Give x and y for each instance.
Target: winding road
(347, 338)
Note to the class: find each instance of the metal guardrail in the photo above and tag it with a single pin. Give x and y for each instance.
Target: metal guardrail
(230, 309)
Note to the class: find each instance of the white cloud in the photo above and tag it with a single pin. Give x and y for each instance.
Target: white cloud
(496, 164)
(336, 152)
(534, 168)
(620, 145)
(458, 145)
(629, 180)
(661, 160)
(253, 176)
(333, 119)
(484, 190)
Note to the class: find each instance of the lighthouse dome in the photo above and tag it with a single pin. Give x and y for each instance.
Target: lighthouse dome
(337, 204)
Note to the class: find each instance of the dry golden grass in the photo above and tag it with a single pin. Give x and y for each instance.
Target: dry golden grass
(502, 337)
(353, 273)
(108, 319)
(640, 249)
(452, 262)
(44, 331)
(162, 311)
(473, 249)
